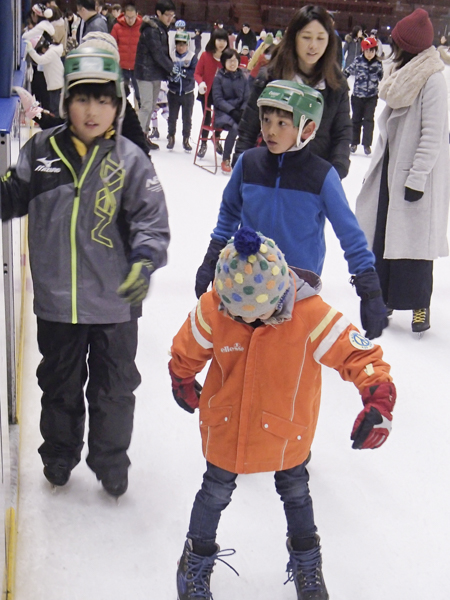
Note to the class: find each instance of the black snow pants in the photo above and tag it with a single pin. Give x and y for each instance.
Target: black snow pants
(186, 101)
(104, 356)
(363, 110)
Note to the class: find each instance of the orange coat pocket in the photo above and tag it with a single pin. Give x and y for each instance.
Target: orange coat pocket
(281, 427)
(212, 417)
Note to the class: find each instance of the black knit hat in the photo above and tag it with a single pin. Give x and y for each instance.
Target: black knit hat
(414, 33)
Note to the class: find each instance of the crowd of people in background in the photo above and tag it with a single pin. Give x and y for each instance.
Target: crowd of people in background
(226, 70)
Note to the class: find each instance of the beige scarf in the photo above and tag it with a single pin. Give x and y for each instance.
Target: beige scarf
(401, 88)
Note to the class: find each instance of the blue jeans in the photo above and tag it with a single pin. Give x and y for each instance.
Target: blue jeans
(218, 486)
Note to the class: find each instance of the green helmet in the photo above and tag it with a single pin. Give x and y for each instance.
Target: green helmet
(297, 98)
(87, 64)
(182, 36)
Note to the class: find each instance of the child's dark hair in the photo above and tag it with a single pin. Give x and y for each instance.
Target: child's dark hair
(268, 110)
(217, 34)
(94, 90)
(227, 54)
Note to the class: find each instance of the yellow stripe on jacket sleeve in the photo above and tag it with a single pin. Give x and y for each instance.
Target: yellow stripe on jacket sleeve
(196, 332)
(331, 337)
(322, 325)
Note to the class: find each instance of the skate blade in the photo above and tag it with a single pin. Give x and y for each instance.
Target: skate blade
(419, 334)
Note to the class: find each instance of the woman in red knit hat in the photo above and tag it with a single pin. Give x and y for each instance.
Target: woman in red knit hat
(403, 204)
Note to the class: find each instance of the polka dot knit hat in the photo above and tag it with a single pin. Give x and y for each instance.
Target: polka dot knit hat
(251, 274)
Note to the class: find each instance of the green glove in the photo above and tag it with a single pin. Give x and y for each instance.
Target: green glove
(135, 287)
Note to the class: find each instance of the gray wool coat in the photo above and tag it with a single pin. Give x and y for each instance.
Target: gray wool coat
(419, 159)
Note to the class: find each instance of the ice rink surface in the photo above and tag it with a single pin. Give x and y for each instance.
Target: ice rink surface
(382, 515)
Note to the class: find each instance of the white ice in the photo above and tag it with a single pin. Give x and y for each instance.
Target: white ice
(383, 515)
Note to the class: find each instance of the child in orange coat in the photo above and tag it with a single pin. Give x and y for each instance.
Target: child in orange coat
(248, 325)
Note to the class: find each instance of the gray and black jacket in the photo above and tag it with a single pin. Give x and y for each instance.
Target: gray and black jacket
(82, 227)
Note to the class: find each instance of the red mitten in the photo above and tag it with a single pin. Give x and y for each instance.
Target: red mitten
(185, 391)
(373, 424)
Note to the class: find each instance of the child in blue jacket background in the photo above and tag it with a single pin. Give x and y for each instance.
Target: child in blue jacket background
(181, 90)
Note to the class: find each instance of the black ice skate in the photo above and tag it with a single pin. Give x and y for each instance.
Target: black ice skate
(305, 570)
(154, 133)
(219, 148)
(194, 572)
(202, 150)
(115, 481)
(186, 145)
(421, 321)
(57, 472)
(171, 142)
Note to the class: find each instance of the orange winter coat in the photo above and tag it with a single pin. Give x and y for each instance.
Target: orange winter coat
(260, 401)
(127, 39)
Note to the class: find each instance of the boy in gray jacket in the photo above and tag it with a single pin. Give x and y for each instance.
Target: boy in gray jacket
(98, 229)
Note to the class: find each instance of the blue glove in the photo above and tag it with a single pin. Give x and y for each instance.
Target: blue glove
(373, 310)
(206, 271)
(412, 195)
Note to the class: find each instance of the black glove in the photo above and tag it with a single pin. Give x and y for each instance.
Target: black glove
(206, 271)
(412, 195)
(236, 115)
(373, 310)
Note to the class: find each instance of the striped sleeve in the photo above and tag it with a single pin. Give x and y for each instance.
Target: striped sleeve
(192, 346)
(338, 344)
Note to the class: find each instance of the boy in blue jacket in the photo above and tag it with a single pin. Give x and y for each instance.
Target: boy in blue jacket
(288, 192)
(181, 90)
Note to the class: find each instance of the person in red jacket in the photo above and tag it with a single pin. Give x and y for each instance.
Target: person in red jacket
(126, 33)
(205, 71)
(267, 334)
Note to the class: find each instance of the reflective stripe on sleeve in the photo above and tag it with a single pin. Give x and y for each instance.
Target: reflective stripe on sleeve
(321, 326)
(202, 341)
(331, 338)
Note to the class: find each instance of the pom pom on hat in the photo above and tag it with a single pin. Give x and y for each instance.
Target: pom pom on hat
(414, 33)
(251, 274)
(268, 40)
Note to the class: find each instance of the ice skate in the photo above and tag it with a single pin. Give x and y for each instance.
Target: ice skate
(305, 570)
(154, 133)
(194, 572)
(186, 145)
(219, 148)
(202, 150)
(226, 167)
(421, 321)
(367, 150)
(115, 481)
(171, 142)
(353, 148)
(57, 472)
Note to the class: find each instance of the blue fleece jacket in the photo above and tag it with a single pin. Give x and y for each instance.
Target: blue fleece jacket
(288, 197)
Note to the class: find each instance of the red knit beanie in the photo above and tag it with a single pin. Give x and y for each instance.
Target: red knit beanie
(414, 33)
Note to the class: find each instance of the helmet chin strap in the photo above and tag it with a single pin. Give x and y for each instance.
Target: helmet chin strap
(302, 143)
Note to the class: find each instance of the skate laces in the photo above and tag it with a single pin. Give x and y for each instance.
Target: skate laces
(419, 315)
(199, 568)
(307, 565)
